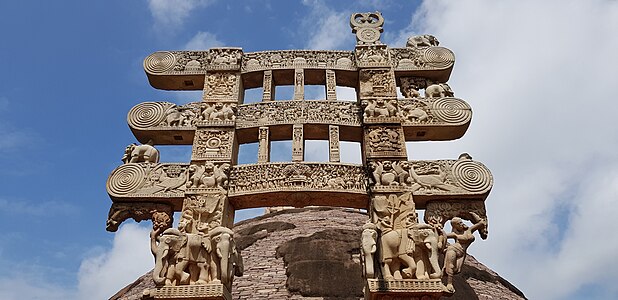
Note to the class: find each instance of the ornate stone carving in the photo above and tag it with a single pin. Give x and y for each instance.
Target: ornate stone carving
(248, 179)
(372, 56)
(384, 141)
(408, 250)
(208, 175)
(220, 86)
(183, 258)
(135, 153)
(161, 214)
(213, 144)
(268, 92)
(331, 85)
(439, 90)
(369, 247)
(412, 59)
(217, 114)
(295, 59)
(438, 212)
(455, 254)
(299, 84)
(377, 83)
(333, 143)
(367, 27)
(263, 145)
(420, 41)
(207, 291)
(192, 62)
(225, 58)
(163, 115)
(290, 112)
(145, 180)
(380, 110)
(298, 143)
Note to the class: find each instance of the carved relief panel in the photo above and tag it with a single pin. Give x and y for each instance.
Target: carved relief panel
(294, 59)
(148, 180)
(377, 83)
(221, 86)
(213, 144)
(372, 56)
(384, 142)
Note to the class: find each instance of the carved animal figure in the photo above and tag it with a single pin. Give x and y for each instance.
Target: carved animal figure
(369, 237)
(141, 153)
(412, 252)
(439, 90)
(430, 181)
(408, 90)
(425, 40)
(413, 113)
(195, 176)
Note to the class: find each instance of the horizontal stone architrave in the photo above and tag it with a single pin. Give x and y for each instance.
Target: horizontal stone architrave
(303, 183)
(185, 70)
(422, 120)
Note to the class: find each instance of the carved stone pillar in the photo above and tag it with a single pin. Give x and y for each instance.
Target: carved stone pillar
(299, 84)
(264, 145)
(298, 143)
(333, 143)
(268, 86)
(331, 85)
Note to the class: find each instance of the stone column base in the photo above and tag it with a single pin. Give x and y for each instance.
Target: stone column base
(377, 289)
(213, 291)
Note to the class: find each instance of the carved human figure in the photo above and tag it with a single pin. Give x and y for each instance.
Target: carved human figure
(456, 253)
(438, 90)
(141, 153)
(369, 237)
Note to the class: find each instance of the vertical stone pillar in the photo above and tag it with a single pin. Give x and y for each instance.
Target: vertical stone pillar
(299, 84)
(333, 144)
(268, 93)
(331, 85)
(264, 145)
(298, 143)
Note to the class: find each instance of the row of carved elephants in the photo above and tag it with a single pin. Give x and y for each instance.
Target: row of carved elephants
(428, 180)
(189, 258)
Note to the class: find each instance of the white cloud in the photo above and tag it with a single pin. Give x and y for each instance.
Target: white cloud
(203, 41)
(102, 275)
(19, 288)
(328, 29)
(172, 13)
(539, 77)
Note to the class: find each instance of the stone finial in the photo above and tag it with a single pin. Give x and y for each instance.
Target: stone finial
(368, 27)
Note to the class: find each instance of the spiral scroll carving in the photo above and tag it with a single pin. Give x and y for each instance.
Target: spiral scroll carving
(451, 110)
(472, 176)
(159, 62)
(126, 179)
(147, 114)
(439, 57)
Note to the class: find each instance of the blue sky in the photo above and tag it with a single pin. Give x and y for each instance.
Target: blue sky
(538, 75)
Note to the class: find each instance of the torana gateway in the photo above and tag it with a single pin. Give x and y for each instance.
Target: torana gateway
(402, 257)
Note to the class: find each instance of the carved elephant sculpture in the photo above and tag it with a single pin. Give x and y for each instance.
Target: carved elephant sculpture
(168, 253)
(225, 256)
(425, 40)
(409, 253)
(368, 248)
(141, 153)
(439, 90)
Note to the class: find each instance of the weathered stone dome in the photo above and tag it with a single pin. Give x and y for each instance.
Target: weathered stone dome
(313, 253)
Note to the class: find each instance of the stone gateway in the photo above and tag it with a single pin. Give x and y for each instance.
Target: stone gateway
(401, 257)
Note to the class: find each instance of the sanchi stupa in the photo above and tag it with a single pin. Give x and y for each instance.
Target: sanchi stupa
(359, 235)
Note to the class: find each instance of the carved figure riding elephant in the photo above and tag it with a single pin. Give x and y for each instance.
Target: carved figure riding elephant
(410, 253)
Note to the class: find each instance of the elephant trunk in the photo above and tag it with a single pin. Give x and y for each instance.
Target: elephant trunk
(433, 259)
(223, 252)
(160, 267)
